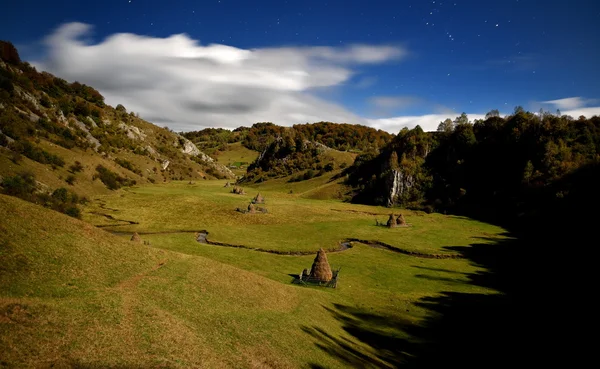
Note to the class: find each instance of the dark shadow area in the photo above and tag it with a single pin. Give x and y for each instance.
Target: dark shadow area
(539, 316)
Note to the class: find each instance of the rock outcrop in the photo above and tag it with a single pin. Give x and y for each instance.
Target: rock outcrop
(397, 184)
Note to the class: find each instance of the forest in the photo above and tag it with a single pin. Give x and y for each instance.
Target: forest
(495, 166)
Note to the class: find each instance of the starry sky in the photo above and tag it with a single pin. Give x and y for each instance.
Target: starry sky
(387, 64)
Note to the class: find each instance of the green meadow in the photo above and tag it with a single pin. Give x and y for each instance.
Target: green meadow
(75, 294)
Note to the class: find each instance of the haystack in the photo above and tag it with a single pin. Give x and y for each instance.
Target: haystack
(251, 208)
(258, 199)
(391, 223)
(136, 238)
(227, 184)
(400, 220)
(238, 190)
(321, 271)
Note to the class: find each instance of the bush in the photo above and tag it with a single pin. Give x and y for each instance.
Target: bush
(73, 211)
(37, 154)
(128, 165)
(3, 140)
(309, 174)
(70, 179)
(111, 179)
(77, 167)
(22, 185)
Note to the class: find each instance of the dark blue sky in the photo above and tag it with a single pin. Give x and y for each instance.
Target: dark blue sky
(461, 55)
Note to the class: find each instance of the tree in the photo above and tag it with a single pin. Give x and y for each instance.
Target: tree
(518, 109)
(492, 113)
(9, 53)
(446, 126)
(462, 119)
(528, 172)
(393, 160)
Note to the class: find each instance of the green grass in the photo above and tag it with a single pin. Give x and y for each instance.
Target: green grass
(73, 294)
(236, 154)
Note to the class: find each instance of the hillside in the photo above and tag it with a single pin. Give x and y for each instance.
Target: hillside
(496, 166)
(282, 151)
(64, 134)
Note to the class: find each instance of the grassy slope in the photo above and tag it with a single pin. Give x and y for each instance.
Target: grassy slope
(236, 153)
(74, 294)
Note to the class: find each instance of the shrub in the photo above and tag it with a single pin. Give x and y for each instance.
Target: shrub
(37, 154)
(21, 185)
(77, 167)
(70, 179)
(111, 179)
(73, 211)
(128, 165)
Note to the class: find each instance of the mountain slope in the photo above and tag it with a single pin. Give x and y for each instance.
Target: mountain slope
(48, 125)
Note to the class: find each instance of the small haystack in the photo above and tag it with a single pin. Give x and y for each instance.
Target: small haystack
(305, 273)
(400, 220)
(391, 223)
(258, 199)
(321, 271)
(227, 184)
(251, 208)
(238, 190)
(136, 238)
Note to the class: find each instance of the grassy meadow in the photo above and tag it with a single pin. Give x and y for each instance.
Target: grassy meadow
(237, 155)
(73, 294)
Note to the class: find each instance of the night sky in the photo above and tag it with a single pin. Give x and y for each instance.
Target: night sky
(386, 64)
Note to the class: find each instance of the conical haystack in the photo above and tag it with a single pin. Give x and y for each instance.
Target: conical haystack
(251, 208)
(321, 271)
(136, 238)
(227, 184)
(238, 190)
(400, 220)
(259, 199)
(391, 223)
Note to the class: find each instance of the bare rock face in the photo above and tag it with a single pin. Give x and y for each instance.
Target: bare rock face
(133, 132)
(29, 97)
(91, 122)
(60, 116)
(91, 139)
(165, 164)
(398, 183)
(189, 148)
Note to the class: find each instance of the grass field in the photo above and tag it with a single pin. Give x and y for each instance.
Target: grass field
(237, 155)
(76, 295)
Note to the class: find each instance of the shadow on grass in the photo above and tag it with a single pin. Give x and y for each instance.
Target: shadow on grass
(541, 315)
(460, 329)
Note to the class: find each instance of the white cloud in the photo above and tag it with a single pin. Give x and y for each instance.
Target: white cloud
(569, 102)
(175, 81)
(586, 112)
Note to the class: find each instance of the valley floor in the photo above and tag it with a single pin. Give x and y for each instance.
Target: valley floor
(73, 294)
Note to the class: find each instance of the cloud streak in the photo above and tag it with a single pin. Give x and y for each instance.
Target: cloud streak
(570, 103)
(176, 81)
